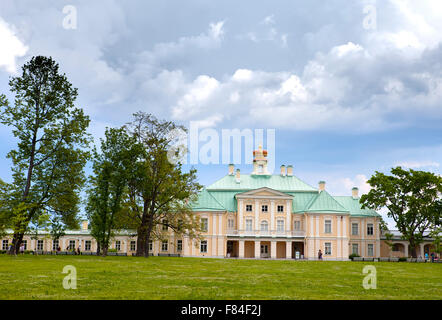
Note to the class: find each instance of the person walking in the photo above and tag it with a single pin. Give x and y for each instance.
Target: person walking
(432, 257)
(319, 254)
(22, 249)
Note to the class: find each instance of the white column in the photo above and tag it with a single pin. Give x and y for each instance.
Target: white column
(421, 253)
(288, 250)
(241, 248)
(256, 215)
(257, 249)
(272, 215)
(288, 214)
(240, 218)
(406, 249)
(273, 249)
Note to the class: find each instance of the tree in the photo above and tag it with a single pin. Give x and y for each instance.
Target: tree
(109, 185)
(50, 156)
(412, 199)
(159, 190)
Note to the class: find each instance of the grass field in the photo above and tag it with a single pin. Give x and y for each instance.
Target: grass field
(41, 277)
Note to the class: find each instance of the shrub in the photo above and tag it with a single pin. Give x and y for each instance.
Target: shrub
(112, 250)
(353, 255)
(402, 259)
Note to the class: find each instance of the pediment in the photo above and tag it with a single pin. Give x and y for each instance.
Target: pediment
(264, 193)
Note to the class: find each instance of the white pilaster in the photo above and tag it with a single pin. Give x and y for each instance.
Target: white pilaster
(288, 250)
(256, 215)
(240, 218)
(214, 215)
(272, 215)
(257, 249)
(241, 248)
(186, 251)
(273, 249)
(288, 214)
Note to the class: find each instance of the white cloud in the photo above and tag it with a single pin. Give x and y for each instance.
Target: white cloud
(12, 47)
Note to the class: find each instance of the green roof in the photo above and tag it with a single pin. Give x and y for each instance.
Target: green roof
(354, 207)
(325, 203)
(220, 196)
(251, 182)
(206, 202)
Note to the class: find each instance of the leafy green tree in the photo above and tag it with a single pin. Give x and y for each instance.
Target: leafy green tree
(109, 185)
(412, 199)
(50, 156)
(159, 190)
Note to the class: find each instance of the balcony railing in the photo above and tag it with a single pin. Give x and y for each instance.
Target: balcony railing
(268, 233)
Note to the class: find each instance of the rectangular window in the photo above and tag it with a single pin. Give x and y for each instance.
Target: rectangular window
(204, 224)
(203, 246)
(327, 226)
(297, 225)
(133, 245)
(230, 224)
(164, 222)
(265, 208)
(71, 245)
(55, 245)
(5, 244)
(179, 245)
(280, 208)
(369, 229)
(164, 245)
(280, 225)
(87, 245)
(118, 245)
(370, 250)
(150, 245)
(328, 248)
(25, 244)
(40, 245)
(354, 229)
(249, 208)
(355, 248)
(249, 224)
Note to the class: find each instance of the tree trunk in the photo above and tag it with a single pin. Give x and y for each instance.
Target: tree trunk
(141, 241)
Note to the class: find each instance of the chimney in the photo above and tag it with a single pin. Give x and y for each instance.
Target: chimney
(321, 185)
(283, 170)
(231, 169)
(355, 193)
(289, 170)
(84, 225)
(238, 175)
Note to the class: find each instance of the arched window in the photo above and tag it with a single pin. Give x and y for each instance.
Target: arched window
(264, 226)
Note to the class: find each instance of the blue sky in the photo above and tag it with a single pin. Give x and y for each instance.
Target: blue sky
(349, 87)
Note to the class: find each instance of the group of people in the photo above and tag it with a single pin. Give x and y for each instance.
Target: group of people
(433, 256)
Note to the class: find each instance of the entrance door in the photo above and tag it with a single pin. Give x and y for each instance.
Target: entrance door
(264, 251)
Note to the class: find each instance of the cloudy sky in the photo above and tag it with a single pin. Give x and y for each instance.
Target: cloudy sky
(350, 87)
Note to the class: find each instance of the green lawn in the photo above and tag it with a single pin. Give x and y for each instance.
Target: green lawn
(41, 277)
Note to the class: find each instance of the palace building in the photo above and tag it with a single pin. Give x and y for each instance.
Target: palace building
(260, 215)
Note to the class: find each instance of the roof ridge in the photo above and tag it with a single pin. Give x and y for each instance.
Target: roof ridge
(324, 193)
